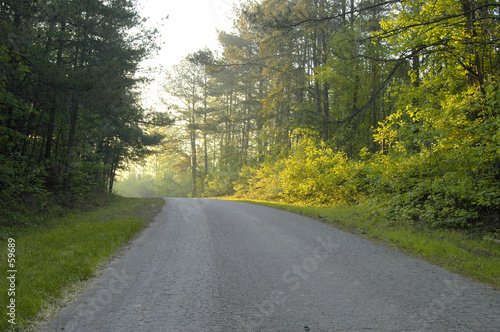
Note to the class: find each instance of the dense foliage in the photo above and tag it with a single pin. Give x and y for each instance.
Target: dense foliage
(68, 113)
(327, 102)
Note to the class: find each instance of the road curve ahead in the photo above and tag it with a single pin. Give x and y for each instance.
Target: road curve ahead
(212, 265)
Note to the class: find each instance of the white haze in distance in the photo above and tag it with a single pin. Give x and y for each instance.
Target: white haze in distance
(191, 25)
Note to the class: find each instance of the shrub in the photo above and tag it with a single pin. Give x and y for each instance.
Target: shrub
(18, 180)
(218, 184)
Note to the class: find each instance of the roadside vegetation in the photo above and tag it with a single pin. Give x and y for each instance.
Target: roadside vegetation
(70, 115)
(56, 257)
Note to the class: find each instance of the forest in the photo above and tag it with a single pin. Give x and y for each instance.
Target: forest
(314, 102)
(322, 102)
(69, 115)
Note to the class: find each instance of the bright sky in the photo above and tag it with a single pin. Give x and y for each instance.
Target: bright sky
(191, 26)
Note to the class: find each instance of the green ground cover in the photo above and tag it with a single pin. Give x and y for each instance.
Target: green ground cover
(53, 259)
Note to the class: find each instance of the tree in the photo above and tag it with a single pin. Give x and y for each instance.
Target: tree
(186, 84)
(204, 59)
(393, 100)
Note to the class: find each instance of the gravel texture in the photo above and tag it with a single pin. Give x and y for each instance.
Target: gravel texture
(212, 265)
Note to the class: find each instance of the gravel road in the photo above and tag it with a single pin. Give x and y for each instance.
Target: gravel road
(212, 265)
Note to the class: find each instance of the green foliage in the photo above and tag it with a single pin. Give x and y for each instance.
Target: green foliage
(85, 179)
(18, 180)
(438, 156)
(311, 174)
(315, 174)
(219, 184)
(452, 181)
(260, 182)
(444, 167)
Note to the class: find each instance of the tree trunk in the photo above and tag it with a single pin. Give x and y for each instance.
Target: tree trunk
(326, 101)
(317, 94)
(205, 124)
(112, 173)
(194, 163)
(71, 143)
(192, 134)
(475, 74)
(416, 68)
(357, 77)
(53, 102)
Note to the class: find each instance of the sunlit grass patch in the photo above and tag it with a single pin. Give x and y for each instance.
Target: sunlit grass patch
(67, 250)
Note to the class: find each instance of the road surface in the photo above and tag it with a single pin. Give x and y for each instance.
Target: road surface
(212, 265)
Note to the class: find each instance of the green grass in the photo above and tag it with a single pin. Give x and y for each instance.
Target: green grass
(53, 258)
(458, 251)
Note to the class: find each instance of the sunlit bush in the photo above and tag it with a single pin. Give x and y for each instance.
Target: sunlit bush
(442, 170)
(218, 184)
(311, 174)
(446, 170)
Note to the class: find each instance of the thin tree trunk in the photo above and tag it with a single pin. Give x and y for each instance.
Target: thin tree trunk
(194, 163)
(53, 102)
(71, 143)
(317, 94)
(205, 124)
(326, 101)
(112, 173)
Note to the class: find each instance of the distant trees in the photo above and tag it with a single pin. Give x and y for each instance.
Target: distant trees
(68, 114)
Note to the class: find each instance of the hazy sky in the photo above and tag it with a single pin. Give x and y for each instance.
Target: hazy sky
(191, 25)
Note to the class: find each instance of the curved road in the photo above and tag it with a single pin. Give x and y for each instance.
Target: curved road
(211, 265)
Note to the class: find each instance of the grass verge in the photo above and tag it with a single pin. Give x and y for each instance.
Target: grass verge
(457, 251)
(52, 258)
